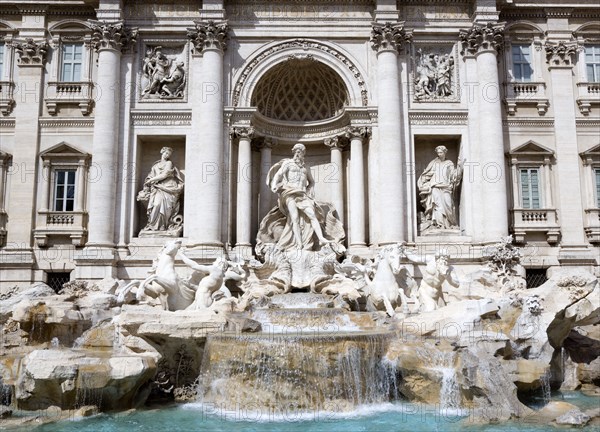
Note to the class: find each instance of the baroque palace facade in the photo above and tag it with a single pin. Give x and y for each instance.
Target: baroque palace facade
(125, 123)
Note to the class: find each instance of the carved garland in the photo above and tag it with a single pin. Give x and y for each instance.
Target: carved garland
(305, 44)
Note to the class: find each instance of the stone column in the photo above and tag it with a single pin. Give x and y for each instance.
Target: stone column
(22, 208)
(336, 180)
(388, 40)
(265, 190)
(80, 188)
(357, 186)
(3, 159)
(46, 183)
(244, 190)
(570, 204)
(109, 39)
(484, 42)
(471, 219)
(98, 259)
(204, 214)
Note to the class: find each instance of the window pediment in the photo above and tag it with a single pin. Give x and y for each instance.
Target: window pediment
(531, 152)
(591, 156)
(64, 152)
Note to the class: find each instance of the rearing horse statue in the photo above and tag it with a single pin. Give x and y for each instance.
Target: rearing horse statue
(172, 291)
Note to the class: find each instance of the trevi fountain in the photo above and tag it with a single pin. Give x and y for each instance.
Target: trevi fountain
(305, 334)
(363, 215)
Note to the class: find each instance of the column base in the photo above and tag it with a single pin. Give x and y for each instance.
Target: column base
(96, 263)
(359, 249)
(205, 253)
(243, 251)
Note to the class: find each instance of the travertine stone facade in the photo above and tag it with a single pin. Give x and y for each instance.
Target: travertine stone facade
(91, 91)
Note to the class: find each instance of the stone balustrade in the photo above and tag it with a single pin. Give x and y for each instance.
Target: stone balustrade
(6, 97)
(532, 93)
(69, 93)
(592, 226)
(588, 95)
(535, 220)
(56, 223)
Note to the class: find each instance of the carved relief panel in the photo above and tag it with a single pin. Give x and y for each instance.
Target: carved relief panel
(163, 74)
(434, 73)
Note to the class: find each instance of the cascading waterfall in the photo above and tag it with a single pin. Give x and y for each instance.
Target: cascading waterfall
(88, 392)
(282, 372)
(450, 391)
(546, 390)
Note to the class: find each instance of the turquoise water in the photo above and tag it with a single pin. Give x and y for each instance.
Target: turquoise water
(375, 418)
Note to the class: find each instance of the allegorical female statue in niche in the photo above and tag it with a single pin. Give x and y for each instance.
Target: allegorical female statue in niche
(162, 192)
(436, 188)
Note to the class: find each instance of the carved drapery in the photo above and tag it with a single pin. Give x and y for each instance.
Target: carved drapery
(389, 36)
(560, 54)
(113, 36)
(482, 38)
(31, 52)
(209, 35)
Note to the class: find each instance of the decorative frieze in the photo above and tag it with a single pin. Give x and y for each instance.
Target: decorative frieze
(209, 35)
(389, 36)
(482, 38)
(112, 35)
(438, 118)
(560, 54)
(31, 53)
(56, 123)
(161, 118)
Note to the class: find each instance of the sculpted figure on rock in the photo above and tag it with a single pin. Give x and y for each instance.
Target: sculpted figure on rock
(298, 221)
(437, 271)
(298, 236)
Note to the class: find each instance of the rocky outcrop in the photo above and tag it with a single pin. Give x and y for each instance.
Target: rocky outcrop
(8, 300)
(68, 378)
(437, 373)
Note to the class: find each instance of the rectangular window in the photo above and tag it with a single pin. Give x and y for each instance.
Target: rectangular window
(64, 190)
(592, 62)
(597, 172)
(530, 188)
(71, 62)
(521, 62)
(1, 61)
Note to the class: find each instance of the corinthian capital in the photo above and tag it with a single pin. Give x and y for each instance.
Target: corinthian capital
(357, 132)
(112, 35)
(31, 52)
(336, 142)
(209, 35)
(242, 132)
(482, 38)
(560, 54)
(389, 36)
